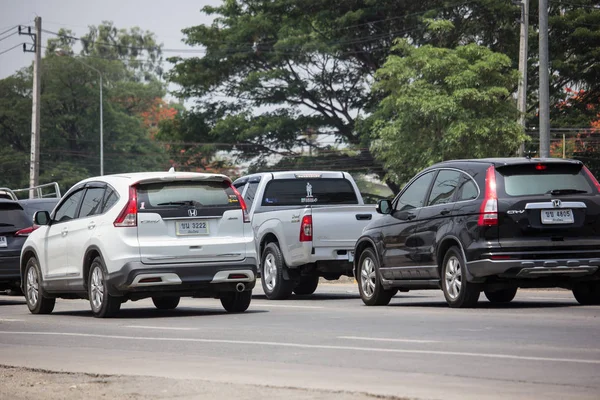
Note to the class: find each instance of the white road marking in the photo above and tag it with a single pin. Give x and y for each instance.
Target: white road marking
(387, 339)
(11, 320)
(283, 305)
(159, 327)
(309, 346)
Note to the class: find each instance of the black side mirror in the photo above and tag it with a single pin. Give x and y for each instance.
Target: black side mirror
(41, 218)
(384, 206)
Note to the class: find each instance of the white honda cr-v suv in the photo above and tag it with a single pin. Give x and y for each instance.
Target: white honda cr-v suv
(132, 236)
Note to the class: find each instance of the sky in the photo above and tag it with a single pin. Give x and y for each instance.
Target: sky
(166, 19)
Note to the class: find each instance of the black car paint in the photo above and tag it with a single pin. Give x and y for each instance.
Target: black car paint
(425, 239)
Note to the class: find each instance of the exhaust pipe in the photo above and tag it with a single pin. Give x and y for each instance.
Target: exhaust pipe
(240, 287)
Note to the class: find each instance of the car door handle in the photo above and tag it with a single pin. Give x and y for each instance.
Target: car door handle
(445, 212)
(410, 217)
(363, 217)
(64, 232)
(91, 225)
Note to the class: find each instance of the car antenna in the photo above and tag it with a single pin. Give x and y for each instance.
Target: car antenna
(528, 154)
(172, 170)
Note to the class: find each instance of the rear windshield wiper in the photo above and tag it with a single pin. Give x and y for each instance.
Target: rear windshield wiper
(178, 203)
(566, 191)
(3, 224)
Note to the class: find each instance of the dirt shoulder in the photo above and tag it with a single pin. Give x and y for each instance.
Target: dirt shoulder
(24, 384)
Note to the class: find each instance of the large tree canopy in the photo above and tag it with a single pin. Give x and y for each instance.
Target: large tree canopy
(444, 104)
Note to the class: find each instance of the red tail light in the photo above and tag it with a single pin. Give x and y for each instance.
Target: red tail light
(488, 212)
(306, 229)
(541, 167)
(593, 178)
(26, 231)
(242, 204)
(128, 217)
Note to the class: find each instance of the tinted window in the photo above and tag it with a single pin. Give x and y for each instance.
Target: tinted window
(296, 192)
(110, 198)
(12, 217)
(92, 202)
(444, 187)
(535, 179)
(468, 190)
(197, 194)
(250, 193)
(68, 209)
(414, 195)
(31, 207)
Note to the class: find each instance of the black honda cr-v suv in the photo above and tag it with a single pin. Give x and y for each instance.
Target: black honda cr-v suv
(490, 225)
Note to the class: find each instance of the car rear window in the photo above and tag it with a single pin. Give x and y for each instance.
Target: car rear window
(536, 179)
(13, 216)
(33, 207)
(296, 192)
(197, 194)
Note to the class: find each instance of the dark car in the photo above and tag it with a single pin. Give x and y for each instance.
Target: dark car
(490, 225)
(16, 223)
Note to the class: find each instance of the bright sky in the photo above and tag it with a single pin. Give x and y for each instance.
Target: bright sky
(165, 18)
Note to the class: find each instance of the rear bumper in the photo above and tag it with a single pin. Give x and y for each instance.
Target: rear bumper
(197, 280)
(531, 269)
(10, 270)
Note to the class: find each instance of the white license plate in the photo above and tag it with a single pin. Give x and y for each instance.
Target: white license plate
(3, 241)
(563, 216)
(351, 256)
(191, 228)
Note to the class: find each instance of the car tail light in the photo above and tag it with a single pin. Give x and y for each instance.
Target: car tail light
(488, 213)
(26, 231)
(242, 204)
(593, 178)
(541, 167)
(128, 216)
(306, 229)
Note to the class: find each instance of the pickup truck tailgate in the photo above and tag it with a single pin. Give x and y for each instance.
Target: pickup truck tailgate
(340, 226)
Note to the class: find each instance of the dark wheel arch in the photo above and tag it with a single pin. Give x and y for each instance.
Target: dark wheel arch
(361, 245)
(25, 256)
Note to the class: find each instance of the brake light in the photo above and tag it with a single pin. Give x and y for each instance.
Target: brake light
(593, 178)
(26, 231)
(128, 216)
(306, 229)
(242, 204)
(541, 167)
(488, 212)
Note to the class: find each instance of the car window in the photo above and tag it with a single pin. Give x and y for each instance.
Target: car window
(12, 217)
(444, 187)
(250, 193)
(92, 202)
(110, 198)
(199, 194)
(68, 209)
(414, 195)
(536, 179)
(468, 189)
(299, 192)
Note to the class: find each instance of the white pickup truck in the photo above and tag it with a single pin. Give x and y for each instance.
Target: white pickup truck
(305, 226)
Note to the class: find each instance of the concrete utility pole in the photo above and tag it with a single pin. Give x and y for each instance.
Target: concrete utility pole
(523, 50)
(34, 165)
(544, 106)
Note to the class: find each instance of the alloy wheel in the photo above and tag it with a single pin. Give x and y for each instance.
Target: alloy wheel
(367, 277)
(97, 288)
(453, 277)
(32, 287)
(270, 272)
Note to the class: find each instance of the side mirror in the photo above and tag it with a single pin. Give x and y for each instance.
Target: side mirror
(41, 218)
(384, 207)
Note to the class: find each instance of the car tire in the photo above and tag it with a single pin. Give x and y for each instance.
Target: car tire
(166, 302)
(501, 296)
(371, 290)
(587, 293)
(37, 302)
(103, 304)
(271, 277)
(459, 292)
(236, 302)
(307, 285)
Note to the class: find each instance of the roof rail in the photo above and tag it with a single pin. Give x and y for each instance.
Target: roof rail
(6, 193)
(36, 192)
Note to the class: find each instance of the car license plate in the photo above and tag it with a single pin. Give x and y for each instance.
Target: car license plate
(191, 228)
(3, 241)
(563, 216)
(351, 256)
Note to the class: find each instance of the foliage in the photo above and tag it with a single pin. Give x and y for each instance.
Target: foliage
(444, 104)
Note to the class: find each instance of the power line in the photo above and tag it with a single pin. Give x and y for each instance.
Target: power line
(14, 47)
(7, 36)
(9, 29)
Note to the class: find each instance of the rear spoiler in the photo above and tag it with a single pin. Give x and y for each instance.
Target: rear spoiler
(36, 192)
(183, 176)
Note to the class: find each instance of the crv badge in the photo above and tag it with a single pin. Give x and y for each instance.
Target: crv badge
(510, 212)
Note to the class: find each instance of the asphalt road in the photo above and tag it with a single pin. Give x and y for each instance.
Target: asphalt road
(541, 346)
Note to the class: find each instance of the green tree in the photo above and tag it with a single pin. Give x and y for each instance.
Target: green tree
(443, 104)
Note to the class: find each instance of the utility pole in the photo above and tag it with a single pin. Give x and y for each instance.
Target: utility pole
(544, 106)
(523, 50)
(34, 164)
